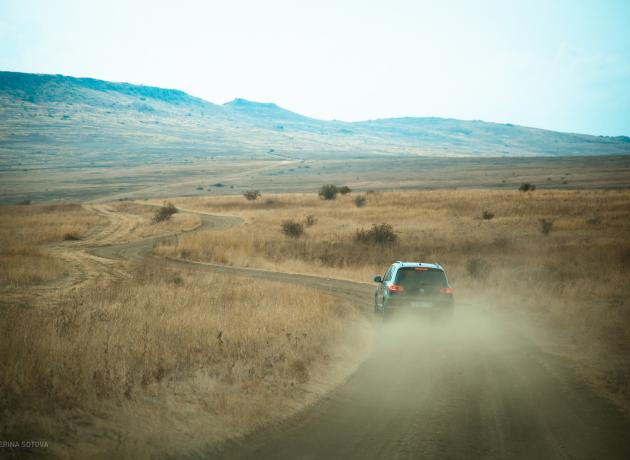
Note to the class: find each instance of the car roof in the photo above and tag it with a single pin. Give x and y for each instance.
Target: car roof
(434, 266)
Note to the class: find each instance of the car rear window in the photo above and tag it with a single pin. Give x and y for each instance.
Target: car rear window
(416, 277)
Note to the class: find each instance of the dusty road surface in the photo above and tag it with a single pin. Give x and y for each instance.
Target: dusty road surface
(466, 390)
(473, 388)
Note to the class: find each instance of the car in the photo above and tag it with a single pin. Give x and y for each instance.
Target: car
(414, 286)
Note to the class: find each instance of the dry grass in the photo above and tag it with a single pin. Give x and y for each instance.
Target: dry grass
(142, 224)
(251, 349)
(444, 226)
(254, 344)
(234, 353)
(25, 233)
(575, 279)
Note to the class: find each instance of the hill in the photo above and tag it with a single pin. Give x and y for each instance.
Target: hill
(50, 121)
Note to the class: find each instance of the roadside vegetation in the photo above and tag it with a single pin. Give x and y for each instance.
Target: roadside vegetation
(141, 221)
(330, 191)
(292, 228)
(34, 238)
(251, 195)
(164, 212)
(234, 353)
(360, 201)
(560, 257)
(244, 350)
(27, 231)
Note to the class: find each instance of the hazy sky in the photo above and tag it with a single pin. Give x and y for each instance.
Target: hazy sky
(554, 64)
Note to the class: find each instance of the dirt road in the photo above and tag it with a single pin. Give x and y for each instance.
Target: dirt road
(470, 389)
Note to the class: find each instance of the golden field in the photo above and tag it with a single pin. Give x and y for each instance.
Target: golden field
(139, 223)
(206, 356)
(574, 279)
(35, 239)
(27, 231)
(115, 351)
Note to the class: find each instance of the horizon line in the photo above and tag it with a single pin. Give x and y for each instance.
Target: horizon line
(311, 117)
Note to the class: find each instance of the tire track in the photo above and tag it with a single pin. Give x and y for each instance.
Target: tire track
(138, 250)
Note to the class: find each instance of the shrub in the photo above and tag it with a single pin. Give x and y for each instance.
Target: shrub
(71, 236)
(545, 226)
(164, 212)
(23, 202)
(344, 190)
(360, 201)
(310, 220)
(378, 234)
(292, 228)
(487, 215)
(328, 192)
(527, 187)
(199, 187)
(251, 195)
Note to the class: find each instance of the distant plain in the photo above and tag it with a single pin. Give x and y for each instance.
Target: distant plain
(233, 176)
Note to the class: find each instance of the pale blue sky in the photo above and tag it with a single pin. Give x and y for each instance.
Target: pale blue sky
(554, 64)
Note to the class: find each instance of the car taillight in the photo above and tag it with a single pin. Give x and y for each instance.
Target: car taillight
(395, 288)
(447, 291)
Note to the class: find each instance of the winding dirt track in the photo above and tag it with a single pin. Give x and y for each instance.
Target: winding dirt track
(470, 389)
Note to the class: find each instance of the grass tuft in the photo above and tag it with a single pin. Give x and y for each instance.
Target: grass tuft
(164, 213)
(292, 228)
(382, 234)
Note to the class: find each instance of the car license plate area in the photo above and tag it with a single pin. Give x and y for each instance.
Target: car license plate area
(420, 304)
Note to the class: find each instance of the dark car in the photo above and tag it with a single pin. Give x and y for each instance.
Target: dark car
(414, 286)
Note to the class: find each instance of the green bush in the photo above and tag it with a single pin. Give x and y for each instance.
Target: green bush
(71, 236)
(252, 195)
(292, 228)
(382, 234)
(360, 201)
(328, 192)
(164, 212)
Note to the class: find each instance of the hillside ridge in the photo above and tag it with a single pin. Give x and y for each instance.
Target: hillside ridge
(48, 120)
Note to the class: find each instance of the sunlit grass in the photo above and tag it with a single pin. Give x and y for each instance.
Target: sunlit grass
(574, 279)
(25, 233)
